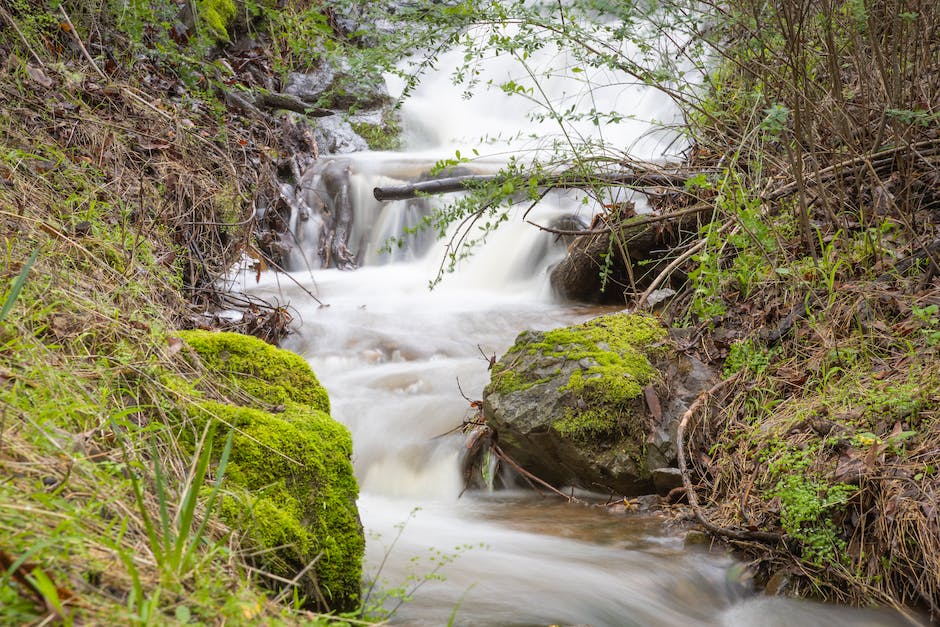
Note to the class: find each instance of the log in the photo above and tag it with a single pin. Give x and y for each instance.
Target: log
(435, 186)
(564, 180)
(577, 276)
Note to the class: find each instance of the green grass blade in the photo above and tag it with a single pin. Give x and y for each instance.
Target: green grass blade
(191, 497)
(158, 553)
(210, 504)
(163, 500)
(17, 286)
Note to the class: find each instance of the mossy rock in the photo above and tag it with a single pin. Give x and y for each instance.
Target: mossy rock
(267, 373)
(569, 405)
(289, 484)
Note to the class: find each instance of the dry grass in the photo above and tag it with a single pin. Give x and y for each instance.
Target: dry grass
(135, 205)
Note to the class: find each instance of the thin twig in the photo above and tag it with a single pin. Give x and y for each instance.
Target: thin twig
(641, 221)
(927, 147)
(678, 261)
(528, 475)
(668, 270)
(12, 22)
(293, 582)
(81, 45)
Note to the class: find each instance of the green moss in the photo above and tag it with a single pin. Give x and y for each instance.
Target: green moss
(505, 380)
(379, 136)
(217, 15)
(291, 488)
(289, 482)
(614, 352)
(587, 424)
(269, 374)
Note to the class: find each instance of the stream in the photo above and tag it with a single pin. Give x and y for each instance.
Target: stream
(398, 361)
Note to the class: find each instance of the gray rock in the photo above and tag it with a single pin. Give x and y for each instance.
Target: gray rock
(568, 404)
(335, 135)
(338, 86)
(666, 480)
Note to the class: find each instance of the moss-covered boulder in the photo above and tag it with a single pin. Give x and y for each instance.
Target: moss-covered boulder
(289, 484)
(594, 405)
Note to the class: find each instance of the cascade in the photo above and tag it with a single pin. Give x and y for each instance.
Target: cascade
(399, 359)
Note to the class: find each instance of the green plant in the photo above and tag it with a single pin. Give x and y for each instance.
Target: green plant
(748, 356)
(10, 299)
(174, 540)
(927, 317)
(376, 599)
(807, 504)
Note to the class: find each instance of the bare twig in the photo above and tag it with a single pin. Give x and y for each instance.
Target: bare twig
(563, 180)
(528, 475)
(667, 271)
(640, 221)
(81, 46)
(928, 147)
(293, 582)
(12, 22)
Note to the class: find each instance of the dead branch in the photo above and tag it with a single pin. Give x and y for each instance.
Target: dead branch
(530, 477)
(277, 100)
(645, 219)
(732, 534)
(880, 161)
(564, 180)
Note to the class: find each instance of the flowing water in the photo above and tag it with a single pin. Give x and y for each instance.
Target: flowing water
(398, 360)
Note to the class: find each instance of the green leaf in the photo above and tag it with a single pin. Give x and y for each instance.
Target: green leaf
(10, 300)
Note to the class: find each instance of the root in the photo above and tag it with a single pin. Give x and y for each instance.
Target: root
(739, 535)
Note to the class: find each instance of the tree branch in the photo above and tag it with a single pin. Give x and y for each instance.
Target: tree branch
(564, 180)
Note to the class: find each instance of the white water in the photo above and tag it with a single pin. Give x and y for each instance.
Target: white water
(391, 353)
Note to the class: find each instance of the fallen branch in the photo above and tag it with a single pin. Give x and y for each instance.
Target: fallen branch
(529, 476)
(645, 219)
(879, 160)
(563, 180)
(733, 534)
(277, 100)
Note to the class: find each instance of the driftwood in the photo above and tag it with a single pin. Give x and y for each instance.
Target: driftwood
(641, 178)
(880, 163)
(277, 100)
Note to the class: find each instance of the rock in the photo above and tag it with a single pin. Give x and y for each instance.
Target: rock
(648, 246)
(338, 88)
(288, 488)
(335, 135)
(569, 404)
(666, 480)
(648, 502)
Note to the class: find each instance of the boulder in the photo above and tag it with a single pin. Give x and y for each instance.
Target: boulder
(335, 135)
(289, 490)
(594, 405)
(337, 85)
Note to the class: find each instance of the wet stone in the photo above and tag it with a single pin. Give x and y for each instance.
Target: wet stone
(666, 480)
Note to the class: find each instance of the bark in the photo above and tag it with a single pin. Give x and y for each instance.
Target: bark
(276, 100)
(578, 276)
